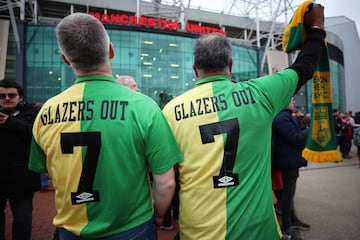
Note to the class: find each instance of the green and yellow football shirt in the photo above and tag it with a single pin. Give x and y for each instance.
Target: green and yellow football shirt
(98, 140)
(224, 131)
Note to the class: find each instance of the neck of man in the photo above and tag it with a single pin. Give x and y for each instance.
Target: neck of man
(203, 75)
(106, 71)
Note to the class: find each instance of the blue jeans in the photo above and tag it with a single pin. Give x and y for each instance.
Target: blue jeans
(145, 231)
(44, 178)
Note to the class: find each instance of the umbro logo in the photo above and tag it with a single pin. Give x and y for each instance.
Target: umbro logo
(84, 197)
(225, 181)
(228, 180)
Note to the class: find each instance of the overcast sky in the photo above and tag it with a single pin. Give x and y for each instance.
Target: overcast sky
(333, 8)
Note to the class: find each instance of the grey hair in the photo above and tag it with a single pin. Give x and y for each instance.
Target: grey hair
(212, 53)
(84, 41)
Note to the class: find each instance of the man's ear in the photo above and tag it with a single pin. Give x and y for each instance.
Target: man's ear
(230, 65)
(111, 50)
(65, 59)
(195, 71)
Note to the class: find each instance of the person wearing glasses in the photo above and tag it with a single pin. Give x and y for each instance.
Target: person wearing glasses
(17, 182)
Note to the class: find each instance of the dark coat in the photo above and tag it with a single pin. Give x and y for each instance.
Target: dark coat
(15, 141)
(288, 142)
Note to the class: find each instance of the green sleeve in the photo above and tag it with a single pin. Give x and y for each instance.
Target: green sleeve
(277, 89)
(37, 162)
(162, 150)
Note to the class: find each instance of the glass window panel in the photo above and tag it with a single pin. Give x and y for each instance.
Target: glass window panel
(158, 62)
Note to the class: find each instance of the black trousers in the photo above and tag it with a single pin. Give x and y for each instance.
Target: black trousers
(21, 207)
(345, 145)
(289, 178)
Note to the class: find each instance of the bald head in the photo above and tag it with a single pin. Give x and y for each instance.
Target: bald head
(128, 82)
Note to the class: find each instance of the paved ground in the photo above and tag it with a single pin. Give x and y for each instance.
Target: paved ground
(327, 197)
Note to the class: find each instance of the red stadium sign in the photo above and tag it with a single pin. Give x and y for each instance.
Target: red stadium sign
(151, 22)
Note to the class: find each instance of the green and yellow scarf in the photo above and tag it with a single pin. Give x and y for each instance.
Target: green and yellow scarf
(321, 143)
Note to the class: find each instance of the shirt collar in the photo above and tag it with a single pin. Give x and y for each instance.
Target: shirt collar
(213, 79)
(95, 78)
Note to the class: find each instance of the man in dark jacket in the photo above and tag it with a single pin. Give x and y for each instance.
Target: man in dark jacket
(288, 141)
(17, 182)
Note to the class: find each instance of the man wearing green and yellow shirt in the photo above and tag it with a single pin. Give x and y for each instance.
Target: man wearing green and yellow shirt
(224, 132)
(98, 140)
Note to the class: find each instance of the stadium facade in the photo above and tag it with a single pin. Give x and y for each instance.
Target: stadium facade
(153, 42)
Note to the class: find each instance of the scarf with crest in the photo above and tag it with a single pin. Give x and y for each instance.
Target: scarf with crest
(321, 143)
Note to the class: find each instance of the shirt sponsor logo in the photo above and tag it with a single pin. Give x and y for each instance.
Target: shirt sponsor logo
(84, 197)
(225, 181)
(228, 180)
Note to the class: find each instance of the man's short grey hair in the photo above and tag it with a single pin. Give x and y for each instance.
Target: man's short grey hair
(212, 53)
(84, 41)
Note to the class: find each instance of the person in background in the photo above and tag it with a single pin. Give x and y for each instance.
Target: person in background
(338, 129)
(164, 98)
(225, 182)
(353, 132)
(346, 136)
(358, 154)
(351, 118)
(307, 119)
(98, 141)
(128, 81)
(356, 139)
(17, 183)
(277, 187)
(300, 118)
(288, 142)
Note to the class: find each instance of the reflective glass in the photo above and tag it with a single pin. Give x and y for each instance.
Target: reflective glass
(158, 62)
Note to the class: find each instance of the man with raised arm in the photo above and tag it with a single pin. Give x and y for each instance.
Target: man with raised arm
(224, 132)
